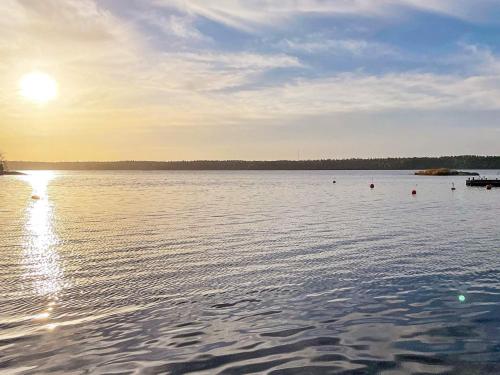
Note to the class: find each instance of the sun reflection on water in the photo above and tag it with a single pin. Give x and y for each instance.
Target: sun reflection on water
(42, 262)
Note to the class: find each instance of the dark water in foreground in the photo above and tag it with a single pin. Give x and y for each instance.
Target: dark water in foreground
(248, 272)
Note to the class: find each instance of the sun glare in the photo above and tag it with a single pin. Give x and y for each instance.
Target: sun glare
(38, 87)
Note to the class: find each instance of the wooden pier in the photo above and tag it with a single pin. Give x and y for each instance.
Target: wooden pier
(482, 182)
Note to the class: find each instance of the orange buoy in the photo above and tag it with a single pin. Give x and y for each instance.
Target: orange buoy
(35, 197)
(413, 192)
(372, 186)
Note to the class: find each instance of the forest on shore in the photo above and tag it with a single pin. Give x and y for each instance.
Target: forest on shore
(407, 163)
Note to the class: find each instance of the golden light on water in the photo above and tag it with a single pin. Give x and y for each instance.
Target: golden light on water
(38, 87)
(41, 259)
(51, 326)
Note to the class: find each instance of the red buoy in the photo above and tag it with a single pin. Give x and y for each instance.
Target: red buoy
(372, 186)
(413, 192)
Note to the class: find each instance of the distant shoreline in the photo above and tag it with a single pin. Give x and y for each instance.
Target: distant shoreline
(415, 163)
(11, 173)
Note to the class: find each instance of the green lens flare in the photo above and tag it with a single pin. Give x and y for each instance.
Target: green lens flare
(461, 298)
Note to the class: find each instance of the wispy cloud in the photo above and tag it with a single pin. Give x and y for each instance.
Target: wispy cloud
(248, 15)
(320, 44)
(359, 92)
(173, 25)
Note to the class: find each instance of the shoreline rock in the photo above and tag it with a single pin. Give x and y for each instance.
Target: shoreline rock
(444, 172)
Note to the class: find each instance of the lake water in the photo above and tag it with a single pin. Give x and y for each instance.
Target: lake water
(248, 272)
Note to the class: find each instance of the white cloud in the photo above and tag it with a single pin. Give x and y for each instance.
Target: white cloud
(186, 73)
(245, 60)
(360, 92)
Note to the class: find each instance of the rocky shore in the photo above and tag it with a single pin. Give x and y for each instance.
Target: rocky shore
(444, 172)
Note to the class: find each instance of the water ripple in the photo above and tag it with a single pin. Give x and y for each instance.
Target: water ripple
(247, 272)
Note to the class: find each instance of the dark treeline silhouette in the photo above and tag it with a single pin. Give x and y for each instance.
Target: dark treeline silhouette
(452, 162)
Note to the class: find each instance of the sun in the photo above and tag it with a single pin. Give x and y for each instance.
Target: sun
(38, 87)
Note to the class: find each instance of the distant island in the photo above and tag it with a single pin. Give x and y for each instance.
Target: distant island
(444, 172)
(413, 163)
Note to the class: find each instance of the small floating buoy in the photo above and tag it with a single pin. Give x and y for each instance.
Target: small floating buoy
(35, 197)
(372, 186)
(334, 182)
(488, 187)
(413, 192)
(453, 186)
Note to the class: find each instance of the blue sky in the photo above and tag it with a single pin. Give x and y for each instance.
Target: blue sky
(254, 79)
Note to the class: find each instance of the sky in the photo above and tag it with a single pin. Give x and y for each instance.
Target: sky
(251, 79)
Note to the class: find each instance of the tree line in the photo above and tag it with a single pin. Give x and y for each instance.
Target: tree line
(407, 163)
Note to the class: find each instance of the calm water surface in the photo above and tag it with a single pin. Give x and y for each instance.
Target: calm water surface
(248, 272)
